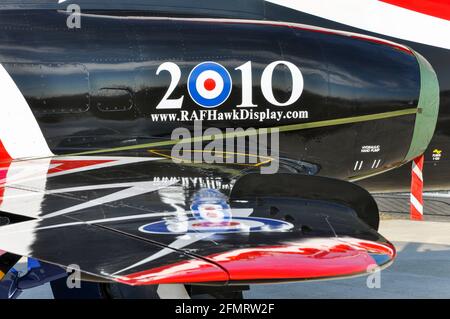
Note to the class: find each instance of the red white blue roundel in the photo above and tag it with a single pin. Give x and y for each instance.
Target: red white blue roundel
(235, 225)
(209, 84)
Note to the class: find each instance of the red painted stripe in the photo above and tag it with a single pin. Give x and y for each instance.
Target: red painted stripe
(435, 8)
(5, 162)
(4, 166)
(417, 189)
(306, 260)
(298, 261)
(415, 214)
(182, 272)
(359, 37)
(65, 165)
(4, 155)
(317, 30)
(378, 41)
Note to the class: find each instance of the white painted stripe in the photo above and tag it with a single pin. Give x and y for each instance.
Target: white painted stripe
(183, 241)
(25, 182)
(31, 202)
(21, 201)
(22, 177)
(257, 22)
(379, 17)
(114, 161)
(17, 229)
(416, 204)
(6, 229)
(134, 189)
(416, 170)
(360, 165)
(179, 243)
(19, 131)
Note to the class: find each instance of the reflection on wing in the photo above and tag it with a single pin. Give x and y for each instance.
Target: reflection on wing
(148, 220)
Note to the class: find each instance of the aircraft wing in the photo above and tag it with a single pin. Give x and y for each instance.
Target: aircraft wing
(147, 220)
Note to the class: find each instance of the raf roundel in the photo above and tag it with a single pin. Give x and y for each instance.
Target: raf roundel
(209, 84)
(234, 225)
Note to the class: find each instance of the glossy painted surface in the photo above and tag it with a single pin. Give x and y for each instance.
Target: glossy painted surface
(437, 172)
(98, 211)
(437, 162)
(100, 90)
(136, 218)
(314, 259)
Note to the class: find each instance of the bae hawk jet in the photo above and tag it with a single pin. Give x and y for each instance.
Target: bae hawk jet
(89, 181)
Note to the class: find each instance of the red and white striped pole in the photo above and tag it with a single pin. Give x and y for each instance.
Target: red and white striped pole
(416, 198)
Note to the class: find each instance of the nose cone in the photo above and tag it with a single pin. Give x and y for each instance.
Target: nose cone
(428, 108)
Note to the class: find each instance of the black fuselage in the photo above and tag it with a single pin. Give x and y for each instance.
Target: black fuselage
(99, 87)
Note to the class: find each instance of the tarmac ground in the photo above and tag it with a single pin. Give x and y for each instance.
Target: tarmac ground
(421, 269)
